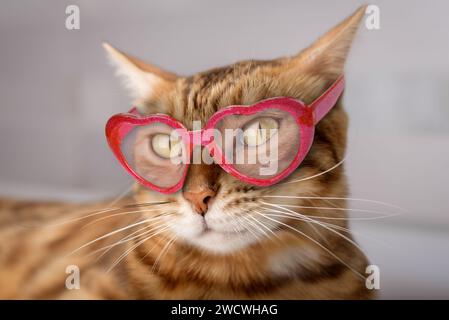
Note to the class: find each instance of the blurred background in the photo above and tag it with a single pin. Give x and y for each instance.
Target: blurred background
(57, 90)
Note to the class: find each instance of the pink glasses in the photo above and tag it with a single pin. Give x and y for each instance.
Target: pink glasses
(259, 144)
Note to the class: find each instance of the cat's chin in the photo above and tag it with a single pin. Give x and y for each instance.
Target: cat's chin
(221, 242)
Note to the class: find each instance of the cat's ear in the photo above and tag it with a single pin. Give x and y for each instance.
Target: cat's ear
(327, 55)
(140, 77)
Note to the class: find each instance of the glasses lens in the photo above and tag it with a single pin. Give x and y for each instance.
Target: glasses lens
(156, 153)
(260, 145)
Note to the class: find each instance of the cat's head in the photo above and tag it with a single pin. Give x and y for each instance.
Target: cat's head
(214, 211)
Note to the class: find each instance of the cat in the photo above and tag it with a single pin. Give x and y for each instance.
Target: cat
(259, 246)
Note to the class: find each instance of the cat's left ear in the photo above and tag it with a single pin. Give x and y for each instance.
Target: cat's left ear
(141, 78)
(326, 56)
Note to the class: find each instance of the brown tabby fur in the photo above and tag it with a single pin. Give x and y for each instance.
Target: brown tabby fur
(36, 239)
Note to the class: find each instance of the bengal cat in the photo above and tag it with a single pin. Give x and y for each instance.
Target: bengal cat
(262, 242)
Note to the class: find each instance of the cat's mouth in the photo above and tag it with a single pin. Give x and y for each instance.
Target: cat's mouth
(208, 229)
(220, 241)
(225, 233)
(214, 233)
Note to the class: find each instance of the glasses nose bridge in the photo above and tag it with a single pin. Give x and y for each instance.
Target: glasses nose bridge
(199, 138)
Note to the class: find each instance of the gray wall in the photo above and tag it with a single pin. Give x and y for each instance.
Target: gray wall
(57, 91)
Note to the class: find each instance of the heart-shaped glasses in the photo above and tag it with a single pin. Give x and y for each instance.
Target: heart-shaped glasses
(259, 144)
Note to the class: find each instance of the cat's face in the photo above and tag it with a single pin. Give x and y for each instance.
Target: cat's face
(214, 211)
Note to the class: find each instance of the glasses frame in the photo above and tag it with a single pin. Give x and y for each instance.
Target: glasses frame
(306, 117)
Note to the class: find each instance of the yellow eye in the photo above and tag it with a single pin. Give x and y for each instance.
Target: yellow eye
(259, 131)
(166, 146)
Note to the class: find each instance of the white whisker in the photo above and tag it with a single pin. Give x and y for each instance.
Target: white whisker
(134, 247)
(163, 252)
(110, 234)
(123, 213)
(318, 244)
(154, 226)
(255, 223)
(318, 174)
(337, 198)
(331, 225)
(317, 222)
(383, 214)
(255, 226)
(98, 212)
(120, 196)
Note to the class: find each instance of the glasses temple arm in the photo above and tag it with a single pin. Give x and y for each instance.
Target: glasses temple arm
(324, 103)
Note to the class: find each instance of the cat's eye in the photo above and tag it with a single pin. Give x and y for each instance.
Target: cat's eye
(259, 131)
(166, 146)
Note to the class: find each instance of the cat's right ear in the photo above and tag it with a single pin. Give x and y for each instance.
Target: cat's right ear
(140, 77)
(327, 55)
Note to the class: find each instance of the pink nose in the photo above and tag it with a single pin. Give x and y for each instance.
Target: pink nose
(200, 200)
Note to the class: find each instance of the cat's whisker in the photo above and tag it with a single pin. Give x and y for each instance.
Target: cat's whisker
(354, 218)
(314, 229)
(317, 243)
(123, 213)
(156, 222)
(327, 226)
(377, 202)
(88, 215)
(125, 254)
(248, 226)
(251, 226)
(382, 214)
(266, 227)
(270, 210)
(294, 213)
(255, 226)
(260, 226)
(236, 220)
(349, 231)
(163, 252)
(120, 196)
(109, 206)
(110, 234)
(337, 227)
(340, 209)
(245, 226)
(318, 223)
(318, 174)
(108, 248)
(331, 225)
(154, 226)
(329, 202)
(342, 218)
(144, 204)
(337, 198)
(102, 211)
(151, 226)
(152, 248)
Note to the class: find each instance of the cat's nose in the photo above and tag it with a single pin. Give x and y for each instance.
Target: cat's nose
(200, 200)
